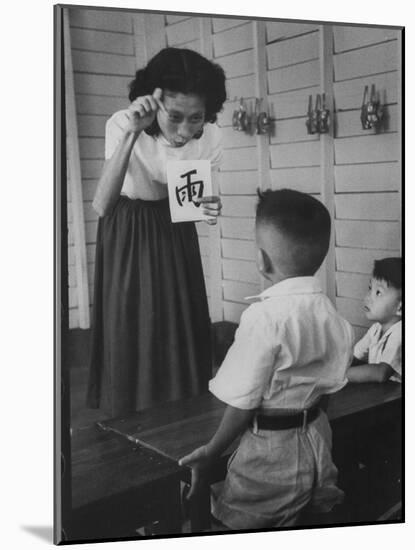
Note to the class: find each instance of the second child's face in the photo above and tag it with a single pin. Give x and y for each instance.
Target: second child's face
(382, 302)
(184, 117)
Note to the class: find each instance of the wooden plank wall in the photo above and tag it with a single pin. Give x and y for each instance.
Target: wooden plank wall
(107, 46)
(104, 63)
(233, 49)
(293, 74)
(366, 186)
(367, 174)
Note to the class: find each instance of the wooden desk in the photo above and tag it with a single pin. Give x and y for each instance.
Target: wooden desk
(367, 450)
(178, 427)
(118, 486)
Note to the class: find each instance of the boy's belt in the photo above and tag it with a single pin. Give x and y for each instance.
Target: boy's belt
(285, 422)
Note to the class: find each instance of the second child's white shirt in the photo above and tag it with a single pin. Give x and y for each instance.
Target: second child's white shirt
(376, 347)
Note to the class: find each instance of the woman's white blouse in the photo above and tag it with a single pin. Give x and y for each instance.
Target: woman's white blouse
(150, 154)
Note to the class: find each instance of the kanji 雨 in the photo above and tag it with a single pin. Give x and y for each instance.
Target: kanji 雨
(190, 189)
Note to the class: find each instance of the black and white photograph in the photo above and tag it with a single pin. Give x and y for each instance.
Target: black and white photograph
(229, 260)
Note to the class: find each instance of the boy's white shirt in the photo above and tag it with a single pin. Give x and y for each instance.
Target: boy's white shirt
(387, 348)
(290, 348)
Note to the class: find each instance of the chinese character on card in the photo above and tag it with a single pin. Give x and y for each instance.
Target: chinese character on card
(188, 180)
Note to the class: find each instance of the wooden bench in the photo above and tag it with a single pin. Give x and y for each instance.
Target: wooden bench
(119, 486)
(365, 419)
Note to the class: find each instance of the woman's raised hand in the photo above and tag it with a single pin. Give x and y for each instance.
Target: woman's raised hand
(143, 110)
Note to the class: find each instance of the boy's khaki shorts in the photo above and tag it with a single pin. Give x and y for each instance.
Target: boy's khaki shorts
(273, 475)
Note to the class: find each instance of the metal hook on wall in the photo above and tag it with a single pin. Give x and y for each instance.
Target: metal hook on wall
(311, 121)
(318, 119)
(263, 120)
(258, 122)
(312, 117)
(323, 117)
(371, 113)
(239, 117)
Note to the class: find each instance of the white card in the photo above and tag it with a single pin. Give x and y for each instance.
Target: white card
(188, 180)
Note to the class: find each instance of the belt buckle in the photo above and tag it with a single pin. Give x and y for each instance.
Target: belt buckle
(305, 415)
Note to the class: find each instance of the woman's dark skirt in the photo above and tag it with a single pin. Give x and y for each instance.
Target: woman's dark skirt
(151, 329)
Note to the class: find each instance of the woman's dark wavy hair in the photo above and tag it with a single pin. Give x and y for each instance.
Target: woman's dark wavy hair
(184, 71)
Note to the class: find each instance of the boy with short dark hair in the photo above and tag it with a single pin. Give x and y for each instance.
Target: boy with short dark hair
(291, 348)
(377, 356)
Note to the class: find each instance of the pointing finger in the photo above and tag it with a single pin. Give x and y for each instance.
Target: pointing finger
(157, 94)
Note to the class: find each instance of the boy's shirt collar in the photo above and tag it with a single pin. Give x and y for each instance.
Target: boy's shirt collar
(293, 285)
(378, 330)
